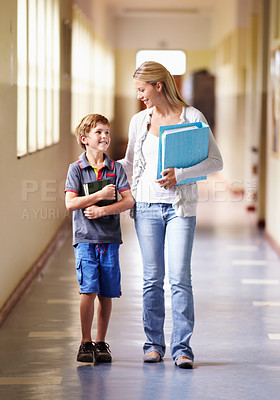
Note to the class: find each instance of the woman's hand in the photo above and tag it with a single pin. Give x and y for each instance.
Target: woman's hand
(168, 180)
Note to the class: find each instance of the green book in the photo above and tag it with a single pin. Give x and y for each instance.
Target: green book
(95, 186)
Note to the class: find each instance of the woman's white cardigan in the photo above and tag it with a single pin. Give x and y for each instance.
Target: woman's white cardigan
(134, 163)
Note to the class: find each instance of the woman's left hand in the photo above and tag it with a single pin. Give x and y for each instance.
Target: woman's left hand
(168, 180)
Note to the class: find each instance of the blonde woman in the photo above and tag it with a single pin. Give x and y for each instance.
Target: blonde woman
(164, 213)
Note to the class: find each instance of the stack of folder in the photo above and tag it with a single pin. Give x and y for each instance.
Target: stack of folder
(182, 146)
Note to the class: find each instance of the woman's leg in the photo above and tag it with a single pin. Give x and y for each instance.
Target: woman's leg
(180, 235)
(150, 228)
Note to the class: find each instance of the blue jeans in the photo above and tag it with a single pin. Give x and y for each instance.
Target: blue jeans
(154, 222)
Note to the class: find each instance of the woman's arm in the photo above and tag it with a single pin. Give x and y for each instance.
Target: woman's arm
(211, 164)
(127, 161)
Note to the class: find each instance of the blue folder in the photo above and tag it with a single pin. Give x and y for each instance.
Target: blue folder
(182, 146)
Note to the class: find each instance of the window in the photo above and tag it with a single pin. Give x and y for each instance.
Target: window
(173, 60)
(38, 73)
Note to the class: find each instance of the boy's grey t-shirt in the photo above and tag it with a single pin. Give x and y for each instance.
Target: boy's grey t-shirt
(101, 230)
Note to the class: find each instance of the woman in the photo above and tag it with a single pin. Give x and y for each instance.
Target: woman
(164, 211)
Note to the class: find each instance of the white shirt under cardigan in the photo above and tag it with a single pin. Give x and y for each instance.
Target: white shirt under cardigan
(184, 197)
(148, 190)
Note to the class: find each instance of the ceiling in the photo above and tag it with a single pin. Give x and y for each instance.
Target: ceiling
(132, 8)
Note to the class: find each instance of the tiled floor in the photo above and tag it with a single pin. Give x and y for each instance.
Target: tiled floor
(236, 278)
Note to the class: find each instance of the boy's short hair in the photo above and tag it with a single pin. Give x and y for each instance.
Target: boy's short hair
(87, 123)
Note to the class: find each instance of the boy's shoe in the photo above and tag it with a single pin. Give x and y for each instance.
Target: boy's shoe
(85, 353)
(102, 352)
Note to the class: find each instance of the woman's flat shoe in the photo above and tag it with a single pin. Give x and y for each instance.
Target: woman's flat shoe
(152, 357)
(184, 362)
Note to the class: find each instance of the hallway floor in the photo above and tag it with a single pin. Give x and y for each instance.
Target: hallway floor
(236, 279)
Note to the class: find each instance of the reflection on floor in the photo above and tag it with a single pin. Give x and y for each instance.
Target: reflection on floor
(236, 278)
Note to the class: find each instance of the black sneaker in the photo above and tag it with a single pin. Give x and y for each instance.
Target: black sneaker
(102, 352)
(85, 353)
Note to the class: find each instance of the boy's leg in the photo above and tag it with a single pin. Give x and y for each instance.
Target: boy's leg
(86, 314)
(102, 352)
(88, 277)
(86, 349)
(110, 286)
(103, 317)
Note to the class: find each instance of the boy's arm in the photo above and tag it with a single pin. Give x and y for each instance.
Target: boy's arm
(124, 204)
(74, 202)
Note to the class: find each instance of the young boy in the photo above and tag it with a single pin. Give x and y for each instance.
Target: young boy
(96, 231)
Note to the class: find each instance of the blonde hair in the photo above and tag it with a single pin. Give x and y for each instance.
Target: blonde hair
(87, 123)
(153, 72)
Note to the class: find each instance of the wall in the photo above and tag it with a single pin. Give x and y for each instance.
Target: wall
(229, 41)
(256, 105)
(241, 70)
(242, 57)
(101, 19)
(273, 160)
(224, 20)
(32, 206)
(32, 200)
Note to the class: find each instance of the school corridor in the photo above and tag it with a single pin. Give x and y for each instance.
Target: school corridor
(63, 59)
(236, 279)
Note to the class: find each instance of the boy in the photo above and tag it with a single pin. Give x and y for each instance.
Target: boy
(96, 231)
